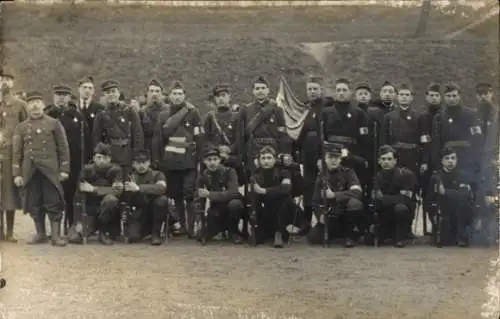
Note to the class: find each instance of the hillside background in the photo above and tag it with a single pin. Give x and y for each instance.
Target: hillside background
(46, 45)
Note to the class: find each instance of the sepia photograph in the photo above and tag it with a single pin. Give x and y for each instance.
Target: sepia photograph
(249, 159)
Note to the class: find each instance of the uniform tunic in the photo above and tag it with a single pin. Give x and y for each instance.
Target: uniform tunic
(12, 112)
(153, 113)
(90, 111)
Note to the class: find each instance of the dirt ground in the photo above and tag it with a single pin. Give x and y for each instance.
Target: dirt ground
(185, 280)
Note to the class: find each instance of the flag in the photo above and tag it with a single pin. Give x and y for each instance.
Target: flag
(294, 110)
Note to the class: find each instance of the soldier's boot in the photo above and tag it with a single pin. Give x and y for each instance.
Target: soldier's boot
(55, 229)
(191, 214)
(156, 233)
(104, 238)
(41, 233)
(278, 240)
(236, 238)
(10, 226)
(349, 243)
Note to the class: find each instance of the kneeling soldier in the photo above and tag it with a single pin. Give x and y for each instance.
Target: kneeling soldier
(270, 196)
(449, 201)
(394, 190)
(338, 192)
(218, 185)
(101, 199)
(148, 202)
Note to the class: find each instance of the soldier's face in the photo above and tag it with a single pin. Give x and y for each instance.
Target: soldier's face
(267, 160)
(212, 162)
(9, 82)
(61, 99)
(433, 98)
(35, 108)
(485, 96)
(141, 166)
(314, 91)
(101, 160)
(363, 96)
(222, 99)
(154, 93)
(449, 162)
(86, 90)
(260, 91)
(342, 92)
(332, 161)
(452, 98)
(405, 97)
(177, 96)
(112, 95)
(387, 161)
(387, 93)
(135, 104)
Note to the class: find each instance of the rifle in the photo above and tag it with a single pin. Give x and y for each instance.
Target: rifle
(2, 227)
(125, 210)
(81, 203)
(323, 208)
(372, 206)
(437, 220)
(201, 217)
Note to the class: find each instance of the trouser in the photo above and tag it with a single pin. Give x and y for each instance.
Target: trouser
(69, 187)
(310, 174)
(43, 198)
(222, 216)
(456, 221)
(394, 221)
(273, 216)
(180, 187)
(343, 220)
(147, 216)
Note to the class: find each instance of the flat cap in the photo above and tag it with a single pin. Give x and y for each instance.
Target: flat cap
(343, 81)
(219, 88)
(155, 82)
(316, 79)
(451, 86)
(483, 87)
(86, 79)
(211, 151)
(61, 89)
(103, 149)
(177, 85)
(433, 87)
(7, 74)
(262, 80)
(31, 96)
(333, 148)
(405, 86)
(364, 85)
(141, 156)
(109, 84)
(268, 149)
(446, 151)
(385, 149)
(387, 83)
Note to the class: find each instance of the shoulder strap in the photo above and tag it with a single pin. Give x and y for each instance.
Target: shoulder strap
(219, 128)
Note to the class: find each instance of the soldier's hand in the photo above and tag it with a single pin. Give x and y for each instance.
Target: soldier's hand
(423, 168)
(287, 159)
(330, 194)
(258, 189)
(203, 193)
(131, 187)
(63, 176)
(318, 164)
(86, 187)
(441, 189)
(490, 200)
(379, 194)
(117, 186)
(256, 162)
(18, 180)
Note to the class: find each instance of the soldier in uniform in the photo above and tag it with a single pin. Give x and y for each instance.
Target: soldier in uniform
(89, 108)
(40, 164)
(148, 199)
(12, 112)
(177, 146)
(450, 192)
(101, 198)
(308, 144)
(74, 124)
(154, 105)
(218, 184)
(395, 201)
(458, 127)
(363, 95)
(271, 196)
(341, 193)
(380, 107)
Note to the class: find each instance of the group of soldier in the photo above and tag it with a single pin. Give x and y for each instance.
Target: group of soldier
(362, 165)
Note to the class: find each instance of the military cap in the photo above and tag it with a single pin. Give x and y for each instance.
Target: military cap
(7, 74)
(61, 89)
(31, 96)
(211, 151)
(141, 156)
(433, 87)
(385, 149)
(261, 79)
(219, 88)
(316, 79)
(343, 81)
(387, 83)
(451, 86)
(110, 84)
(333, 148)
(483, 87)
(364, 85)
(155, 82)
(102, 149)
(177, 85)
(405, 86)
(268, 149)
(86, 79)
(447, 151)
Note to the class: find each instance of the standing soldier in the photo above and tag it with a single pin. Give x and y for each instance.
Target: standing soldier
(153, 107)
(380, 107)
(308, 143)
(363, 94)
(89, 108)
(73, 122)
(177, 146)
(220, 127)
(40, 164)
(12, 112)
